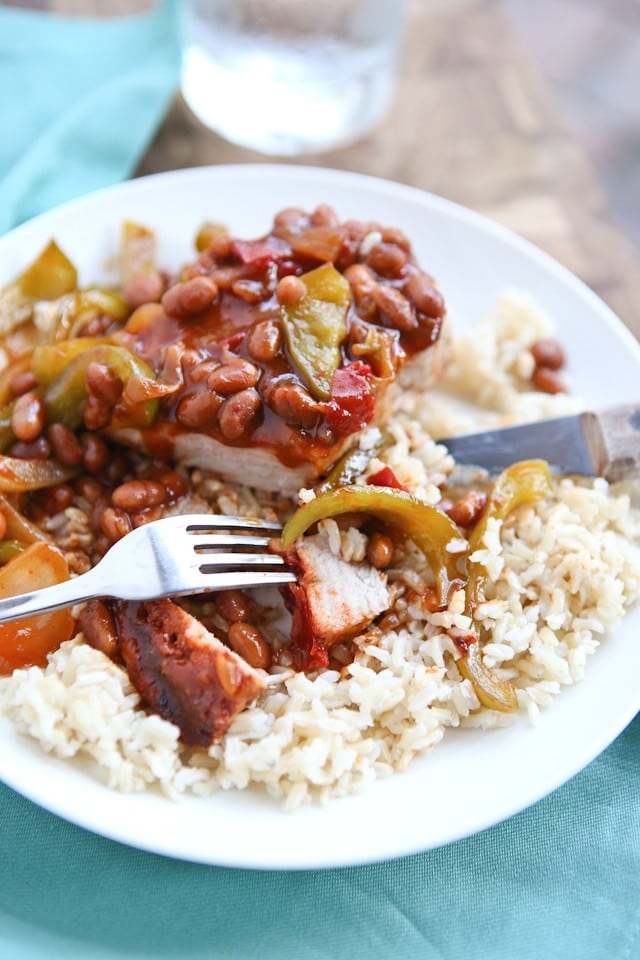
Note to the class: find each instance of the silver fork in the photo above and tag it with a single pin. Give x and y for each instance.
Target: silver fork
(171, 557)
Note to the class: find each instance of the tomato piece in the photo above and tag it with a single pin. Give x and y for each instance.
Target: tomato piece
(385, 477)
(27, 642)
(260, 253)
(352, 404)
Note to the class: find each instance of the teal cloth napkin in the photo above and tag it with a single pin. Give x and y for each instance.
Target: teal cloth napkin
(79, 103)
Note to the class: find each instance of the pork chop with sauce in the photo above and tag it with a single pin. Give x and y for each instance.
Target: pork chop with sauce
(281, 350)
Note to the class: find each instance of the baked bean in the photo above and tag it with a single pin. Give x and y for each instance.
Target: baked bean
(39, 449)
(395, 307)
(96, 414)
(22, 382)
(95, 453)
(292, 402)
(238, 413)
(197, 411)
(379, 550)
(396, 236)
(342, 653)
(65, 445)
(146, 516)
(548, 353)
(190, 297)
(248, 642)
(325, 216)
(136, 495)
(97, 626)
(89, 489)
(27, 417)
(354, 233)
(233, 376)
(144, 288)
(116, 467)
(264, 340)
(115, 524)
(290, 290)
(220, 246)
(57, 498)
(361, 280)
(176, 485)
(424, 296)
(287, 218)
(547, 380)
(466, 511)
(201, 369)
(103, 383)
(387, 259)
(232, 605)
(251, 291)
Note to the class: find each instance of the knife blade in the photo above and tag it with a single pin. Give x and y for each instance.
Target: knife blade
(604, 444)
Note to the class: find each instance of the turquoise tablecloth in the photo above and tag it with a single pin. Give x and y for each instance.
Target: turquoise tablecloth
(79, 103)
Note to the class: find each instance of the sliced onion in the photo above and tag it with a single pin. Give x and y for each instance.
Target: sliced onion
(17, 475)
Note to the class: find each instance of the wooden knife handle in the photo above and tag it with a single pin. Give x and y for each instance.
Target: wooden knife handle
(620, 428)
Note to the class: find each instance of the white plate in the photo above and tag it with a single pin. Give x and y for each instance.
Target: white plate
(473, 779)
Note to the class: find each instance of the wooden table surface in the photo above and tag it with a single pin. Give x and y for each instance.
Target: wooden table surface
(474, 122)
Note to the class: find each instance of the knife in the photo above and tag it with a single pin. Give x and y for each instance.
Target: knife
(604, 444)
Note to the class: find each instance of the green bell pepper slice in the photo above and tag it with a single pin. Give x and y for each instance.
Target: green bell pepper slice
(18, 475)
(315, 327)
(524, 482)
(50, 276)
(8, 549)
(64, 396)
(431, 530)
(48, 361)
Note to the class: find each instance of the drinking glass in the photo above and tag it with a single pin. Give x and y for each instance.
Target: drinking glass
(289, 77)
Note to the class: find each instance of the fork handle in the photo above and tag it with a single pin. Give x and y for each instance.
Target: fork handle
(50, 598)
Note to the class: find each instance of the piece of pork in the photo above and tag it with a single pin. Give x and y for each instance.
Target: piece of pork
(181, 670)
(332, 601)
(270, 356)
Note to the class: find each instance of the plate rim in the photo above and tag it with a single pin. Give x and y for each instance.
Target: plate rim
(444, 206)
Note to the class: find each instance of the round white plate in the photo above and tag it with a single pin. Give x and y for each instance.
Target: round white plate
(472, 779)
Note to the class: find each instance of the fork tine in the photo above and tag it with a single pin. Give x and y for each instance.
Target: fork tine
(200, 524)
(230, 579)
(239, 561)
(214, 541)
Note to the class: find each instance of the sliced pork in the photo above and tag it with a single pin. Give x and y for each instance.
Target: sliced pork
(181, 670)
(332, 601)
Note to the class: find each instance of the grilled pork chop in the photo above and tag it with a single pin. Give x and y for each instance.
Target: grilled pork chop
(281, 350)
